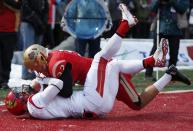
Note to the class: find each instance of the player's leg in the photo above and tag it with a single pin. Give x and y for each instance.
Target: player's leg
(97, 76)
(134, 100)
(172, 74)
(127, 93)
(105, 75)
(101, 86)
(134, 66)
(114, 43)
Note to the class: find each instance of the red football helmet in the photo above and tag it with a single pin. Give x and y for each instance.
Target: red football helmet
(16, 100)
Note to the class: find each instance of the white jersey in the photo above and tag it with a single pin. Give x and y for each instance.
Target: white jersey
(75, 106)
(59, 107)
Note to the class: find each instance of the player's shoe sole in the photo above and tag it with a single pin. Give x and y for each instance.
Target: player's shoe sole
(161, 52)
(126, 15)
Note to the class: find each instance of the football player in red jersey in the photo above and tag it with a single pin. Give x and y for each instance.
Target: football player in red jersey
(66, 65)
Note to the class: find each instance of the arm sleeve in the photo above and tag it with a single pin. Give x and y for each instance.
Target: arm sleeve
(42, 99)
(66, 77)
(61, 69)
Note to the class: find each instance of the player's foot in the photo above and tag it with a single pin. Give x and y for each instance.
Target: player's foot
(160, 53)
(177, 76)
(126, 15)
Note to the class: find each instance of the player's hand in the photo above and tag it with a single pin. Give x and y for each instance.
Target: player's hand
(36, 85)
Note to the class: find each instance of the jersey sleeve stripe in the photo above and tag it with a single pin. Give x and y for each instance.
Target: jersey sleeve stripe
(31, 101)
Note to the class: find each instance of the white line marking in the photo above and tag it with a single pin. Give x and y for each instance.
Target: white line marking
(177, 91)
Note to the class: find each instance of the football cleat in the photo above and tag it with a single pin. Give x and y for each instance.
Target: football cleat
(160, 53)
(126, 15)
(177, 76)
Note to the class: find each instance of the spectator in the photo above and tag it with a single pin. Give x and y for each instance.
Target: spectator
(54, 35)
(60, 35)
(168, 27)
(9, 21)
(48, 38)
(182, 22)
(81, 42)
(190, 14)
(93, 46)
(33, 24)
(142, 12)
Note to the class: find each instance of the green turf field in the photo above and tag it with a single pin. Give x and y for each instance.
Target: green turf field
(140, 83)
(3, 92)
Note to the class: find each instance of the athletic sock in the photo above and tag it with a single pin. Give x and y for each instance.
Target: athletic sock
(123, 28)
(148, 62)
(162, 82)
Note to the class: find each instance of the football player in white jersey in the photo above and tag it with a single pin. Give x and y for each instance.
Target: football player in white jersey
(101, 85)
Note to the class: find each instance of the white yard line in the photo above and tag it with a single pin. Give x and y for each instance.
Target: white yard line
(178, 91)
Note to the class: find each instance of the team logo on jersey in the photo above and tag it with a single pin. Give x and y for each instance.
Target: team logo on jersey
(58, 68)
(61, 69)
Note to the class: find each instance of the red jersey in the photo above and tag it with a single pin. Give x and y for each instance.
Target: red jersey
(80, 65)
(9, 19)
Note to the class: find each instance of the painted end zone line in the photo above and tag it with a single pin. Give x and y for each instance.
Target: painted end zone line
(178, 67)
(178, 91)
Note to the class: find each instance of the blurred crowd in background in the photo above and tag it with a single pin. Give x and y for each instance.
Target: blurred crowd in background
(24, 22)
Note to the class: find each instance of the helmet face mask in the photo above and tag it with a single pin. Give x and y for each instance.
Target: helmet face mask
(16, 100)
(35, 58)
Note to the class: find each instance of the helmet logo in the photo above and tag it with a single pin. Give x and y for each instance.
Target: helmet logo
(32, 55)
(10, 104)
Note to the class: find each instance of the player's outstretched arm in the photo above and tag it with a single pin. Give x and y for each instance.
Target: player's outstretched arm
(49, 93)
